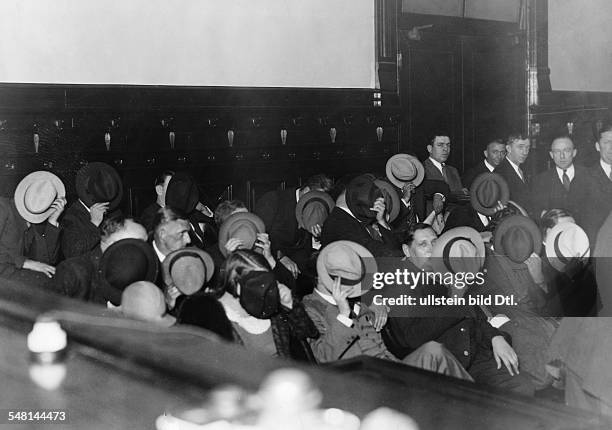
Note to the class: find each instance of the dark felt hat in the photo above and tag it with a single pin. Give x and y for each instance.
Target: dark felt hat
(188, 269)
(486, 190)
(392, 199)
(459, 249)
(361, 193)
(313, 208)
(352, 262)
(125, 262)
(97, 183)
(182, 193)
(517, 237)
(402, 169)
(243, 226)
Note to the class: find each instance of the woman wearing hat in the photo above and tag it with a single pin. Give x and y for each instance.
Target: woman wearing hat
(29, 229)
(263, 312)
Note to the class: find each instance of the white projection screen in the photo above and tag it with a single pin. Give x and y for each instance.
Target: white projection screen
(580, 45)
(247, 43)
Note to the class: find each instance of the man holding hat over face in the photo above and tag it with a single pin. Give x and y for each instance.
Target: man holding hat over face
(347, 329)
(100, 191)
(361, 218)
(29, 229)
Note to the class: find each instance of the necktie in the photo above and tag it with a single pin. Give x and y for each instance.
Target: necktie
(374, 232)
(521, 174)
(444, 173)
(566, 180)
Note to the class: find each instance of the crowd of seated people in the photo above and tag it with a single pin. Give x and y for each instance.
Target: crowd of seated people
(293, 278)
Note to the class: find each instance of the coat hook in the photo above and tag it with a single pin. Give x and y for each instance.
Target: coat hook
(332, 134)
(230, 137)
(171, 138)
(379, 133)
(36, 138)
(570, 127)
(107, 140)
(283, 134)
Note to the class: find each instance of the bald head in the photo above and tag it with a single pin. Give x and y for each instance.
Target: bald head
(116, 230)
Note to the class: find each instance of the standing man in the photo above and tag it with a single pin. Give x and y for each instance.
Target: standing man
(517, 150)
(494, 153)
(563, 186)
(599, 191)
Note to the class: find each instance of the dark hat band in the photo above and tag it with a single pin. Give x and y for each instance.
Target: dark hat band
(558, 252)
(186, 254)
(447, 248)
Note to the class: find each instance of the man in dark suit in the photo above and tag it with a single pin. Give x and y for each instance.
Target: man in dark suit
(436, 167)
(277, 210)
(599, 193)
(517, 150)
(562, 187)
(494, 153)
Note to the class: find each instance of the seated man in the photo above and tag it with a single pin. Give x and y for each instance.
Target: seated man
(170, 232)
(29, 229)
(75, 275)
(348, 330)
(463, 329)
(100, 191)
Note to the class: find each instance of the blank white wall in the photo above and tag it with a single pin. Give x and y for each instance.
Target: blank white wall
(253, 43)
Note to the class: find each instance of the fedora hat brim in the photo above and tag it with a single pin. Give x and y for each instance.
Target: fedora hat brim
(369, 263)
(83, 176)
(438, 252)
(405, 158)
(517, 221)
(307, 198)
(173, 257)
(20, 191)
(231, 221)
(504, 194)
(391, 191)
(552, 247)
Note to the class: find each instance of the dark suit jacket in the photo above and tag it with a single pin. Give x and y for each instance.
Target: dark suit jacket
(432, 173)
(473, 172)
(148, 216)
(19, 242)
(519, 190)
(598, 203)
(464, 215)
(547, 192)
(74, 277)
(277, 210)
(342, 226)
(80, 235)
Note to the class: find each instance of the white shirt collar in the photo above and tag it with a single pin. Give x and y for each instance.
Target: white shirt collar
(85, 206)
(348, 211)
(483, 218)
(328, 298)
(606, 167)
(161, 257)
(570, 173)
(488, 165)
(516, 168)
(437, 164)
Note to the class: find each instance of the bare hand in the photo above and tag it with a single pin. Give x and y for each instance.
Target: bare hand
(291, 266)
(171, 294)
(340, 294)
(58, 207)
(407, 191)
(381, 313)
(315, 230)
(286, 298)
(379, 208)
(96, 213)
(504, 353)
(534, 264)
(37, 266)
(263, 242)
(499, 206)
(233, 244)
(438, 203)
(204, 209)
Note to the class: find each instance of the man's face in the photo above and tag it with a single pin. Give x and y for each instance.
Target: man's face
(604, 146)
(518, 151)
(161, 189)
(175, 235)
(439, 149)
(419, 251)
(562, 152)
(495, 153)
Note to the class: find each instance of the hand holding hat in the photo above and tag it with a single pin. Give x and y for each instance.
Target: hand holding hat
(39, 196)
(402, 169)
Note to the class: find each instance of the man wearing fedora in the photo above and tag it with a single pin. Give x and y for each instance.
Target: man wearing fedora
(277, 209)
(100, 190)
(74, 277)
(349, 328)
(517, 150)
(29, 229)
(494, 153)
(463, 329)
(563, 186)
(599, 193)
(361, 217)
